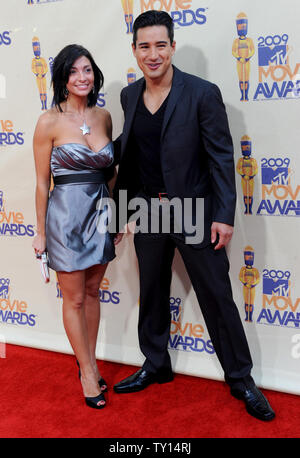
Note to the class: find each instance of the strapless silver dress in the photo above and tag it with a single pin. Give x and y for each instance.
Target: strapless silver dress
(73, 239)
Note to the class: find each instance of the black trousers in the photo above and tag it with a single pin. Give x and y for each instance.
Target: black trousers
(208, 271)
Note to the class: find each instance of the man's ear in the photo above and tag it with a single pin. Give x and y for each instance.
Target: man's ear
(133, 48)
(173, 47)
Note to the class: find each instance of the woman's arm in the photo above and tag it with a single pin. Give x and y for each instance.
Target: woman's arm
(42, 147)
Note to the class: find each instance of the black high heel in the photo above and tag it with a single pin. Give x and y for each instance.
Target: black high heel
(101, 382)
(102, 385)
(93, 401)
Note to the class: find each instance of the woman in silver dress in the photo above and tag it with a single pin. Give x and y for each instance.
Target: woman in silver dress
(72, 141)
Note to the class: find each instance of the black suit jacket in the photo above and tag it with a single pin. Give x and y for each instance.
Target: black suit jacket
(196, 147)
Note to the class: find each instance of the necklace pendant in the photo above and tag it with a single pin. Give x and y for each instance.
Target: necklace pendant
(85, 129)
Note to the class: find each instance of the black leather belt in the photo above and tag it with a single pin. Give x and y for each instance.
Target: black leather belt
(92, 177)
(161, 193)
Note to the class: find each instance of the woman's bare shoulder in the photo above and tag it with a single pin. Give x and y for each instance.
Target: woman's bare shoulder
(102, 113)
(104, 118)
(48, 118)
(47, 121)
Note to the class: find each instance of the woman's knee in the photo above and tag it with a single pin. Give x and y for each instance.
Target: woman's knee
(74, 301)
(92, 291)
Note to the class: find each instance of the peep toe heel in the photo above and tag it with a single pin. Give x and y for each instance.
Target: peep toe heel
(93, 401)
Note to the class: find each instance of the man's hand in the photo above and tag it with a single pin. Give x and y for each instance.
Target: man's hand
(225, 233)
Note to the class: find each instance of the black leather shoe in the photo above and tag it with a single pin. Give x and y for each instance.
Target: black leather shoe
(140, 380)
(256, 403)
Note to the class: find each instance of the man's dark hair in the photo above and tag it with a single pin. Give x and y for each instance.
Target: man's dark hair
(153, 17)
(61, 69)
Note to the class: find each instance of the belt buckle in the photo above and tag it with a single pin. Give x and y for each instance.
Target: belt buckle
(160, 196)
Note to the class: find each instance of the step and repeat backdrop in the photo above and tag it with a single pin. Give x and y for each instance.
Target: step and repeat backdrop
(259, 76)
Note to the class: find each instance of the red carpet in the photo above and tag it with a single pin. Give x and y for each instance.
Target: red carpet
(41, 398)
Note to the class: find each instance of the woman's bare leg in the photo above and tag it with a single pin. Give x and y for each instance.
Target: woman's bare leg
(94, 276)
(73, 291)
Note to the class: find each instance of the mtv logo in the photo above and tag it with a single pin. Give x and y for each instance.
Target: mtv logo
(276, 55)
(4, 288)
(175, 312)
(276, 175)
(276, 287)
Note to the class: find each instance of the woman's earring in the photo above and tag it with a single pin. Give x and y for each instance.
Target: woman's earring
(66, 92)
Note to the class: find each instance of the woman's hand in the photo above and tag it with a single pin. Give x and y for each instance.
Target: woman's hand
(39, 244)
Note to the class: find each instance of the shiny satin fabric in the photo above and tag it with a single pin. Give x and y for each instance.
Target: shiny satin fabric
(75, 209)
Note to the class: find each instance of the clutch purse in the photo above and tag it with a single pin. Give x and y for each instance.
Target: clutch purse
(43, 260)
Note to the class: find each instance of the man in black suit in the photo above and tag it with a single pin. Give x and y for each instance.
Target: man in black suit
(176, 144)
